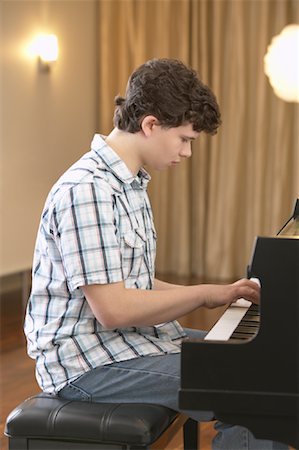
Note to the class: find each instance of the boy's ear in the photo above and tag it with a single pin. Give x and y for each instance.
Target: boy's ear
(148, 123)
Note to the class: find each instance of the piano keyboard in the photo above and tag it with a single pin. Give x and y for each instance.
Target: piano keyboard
(239, 321)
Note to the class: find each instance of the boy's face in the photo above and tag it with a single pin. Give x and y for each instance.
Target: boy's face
(168, 146)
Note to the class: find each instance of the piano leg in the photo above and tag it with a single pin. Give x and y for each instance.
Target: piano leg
(191, 435)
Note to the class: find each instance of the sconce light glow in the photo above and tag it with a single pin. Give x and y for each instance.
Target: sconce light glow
(281, 63)
(45, 48)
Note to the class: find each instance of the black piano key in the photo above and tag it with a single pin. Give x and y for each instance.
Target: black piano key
(245, 329)
(239, 336)
(252, 319)
(249, 325)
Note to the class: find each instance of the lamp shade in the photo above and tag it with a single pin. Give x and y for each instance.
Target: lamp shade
(281, 63)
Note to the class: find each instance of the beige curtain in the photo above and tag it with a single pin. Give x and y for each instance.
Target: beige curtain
(238, 184)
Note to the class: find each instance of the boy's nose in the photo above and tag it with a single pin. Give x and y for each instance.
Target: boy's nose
(186, 151)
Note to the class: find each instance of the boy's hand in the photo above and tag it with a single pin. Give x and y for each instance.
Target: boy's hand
(219, 295)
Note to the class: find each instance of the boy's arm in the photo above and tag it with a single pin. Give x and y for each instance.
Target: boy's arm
(115, 306)
(161, 285)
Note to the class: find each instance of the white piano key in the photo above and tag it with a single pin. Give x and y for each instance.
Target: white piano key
(228, 322)
(242, 302)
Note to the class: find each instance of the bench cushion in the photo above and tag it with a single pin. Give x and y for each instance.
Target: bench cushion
(51, 417)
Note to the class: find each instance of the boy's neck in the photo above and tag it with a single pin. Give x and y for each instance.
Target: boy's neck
(126, 146)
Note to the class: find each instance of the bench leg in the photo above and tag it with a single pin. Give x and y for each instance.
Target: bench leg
(191, 435)
(17, 444)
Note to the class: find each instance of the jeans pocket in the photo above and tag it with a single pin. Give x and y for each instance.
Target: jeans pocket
(73, 392)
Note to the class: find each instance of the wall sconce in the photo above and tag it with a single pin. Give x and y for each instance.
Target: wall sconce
(281, 63)
(45, 47)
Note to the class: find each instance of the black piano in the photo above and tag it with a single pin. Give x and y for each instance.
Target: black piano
(254, 382)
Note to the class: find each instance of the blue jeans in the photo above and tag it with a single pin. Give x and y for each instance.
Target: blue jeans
(156, 379)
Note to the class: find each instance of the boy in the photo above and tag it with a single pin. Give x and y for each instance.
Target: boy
(98, 323)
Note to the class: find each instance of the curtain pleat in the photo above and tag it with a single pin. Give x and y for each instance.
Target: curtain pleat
(240, 183)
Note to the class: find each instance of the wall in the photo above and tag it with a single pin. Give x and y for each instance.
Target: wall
(47, 119)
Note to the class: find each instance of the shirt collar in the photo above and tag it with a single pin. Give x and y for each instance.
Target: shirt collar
(117, 166)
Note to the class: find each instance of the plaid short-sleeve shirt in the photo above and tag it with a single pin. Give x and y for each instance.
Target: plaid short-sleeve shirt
(96, 228)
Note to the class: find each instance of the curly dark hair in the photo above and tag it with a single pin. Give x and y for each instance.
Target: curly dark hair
(170, 91)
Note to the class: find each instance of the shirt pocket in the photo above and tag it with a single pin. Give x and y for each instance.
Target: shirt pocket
(133, 247)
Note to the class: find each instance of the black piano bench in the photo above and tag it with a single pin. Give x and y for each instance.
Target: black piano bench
(48, 422)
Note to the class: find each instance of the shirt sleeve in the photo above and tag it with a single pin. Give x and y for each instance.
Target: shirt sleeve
(85, 234)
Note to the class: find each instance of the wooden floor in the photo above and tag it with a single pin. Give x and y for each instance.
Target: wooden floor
(17, 380)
